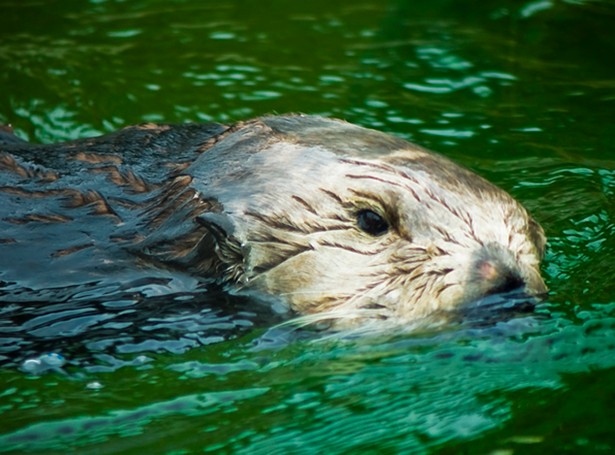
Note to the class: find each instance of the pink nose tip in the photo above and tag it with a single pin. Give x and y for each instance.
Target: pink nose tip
(496, 270)
(488, 271)
(495, 276)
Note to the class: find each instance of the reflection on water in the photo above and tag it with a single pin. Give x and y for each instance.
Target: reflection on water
(408, 393)
(522, 92)
(91, 323)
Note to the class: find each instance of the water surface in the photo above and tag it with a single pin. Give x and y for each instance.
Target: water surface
(521, 92)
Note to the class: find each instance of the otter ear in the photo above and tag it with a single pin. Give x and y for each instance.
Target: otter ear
(231, 256)
(220, 225)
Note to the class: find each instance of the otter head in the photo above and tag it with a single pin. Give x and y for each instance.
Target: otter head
(350, 224)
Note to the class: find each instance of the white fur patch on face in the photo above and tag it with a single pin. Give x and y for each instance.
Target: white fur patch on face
(293, 190)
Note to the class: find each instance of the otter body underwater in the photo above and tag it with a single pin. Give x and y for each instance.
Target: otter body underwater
(317, 217)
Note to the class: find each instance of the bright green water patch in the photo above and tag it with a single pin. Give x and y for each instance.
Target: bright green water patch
(521, 92)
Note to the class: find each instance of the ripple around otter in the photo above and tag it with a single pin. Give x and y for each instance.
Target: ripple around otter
(84, 326)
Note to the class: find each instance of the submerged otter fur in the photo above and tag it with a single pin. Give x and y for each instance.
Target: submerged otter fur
(320, 217)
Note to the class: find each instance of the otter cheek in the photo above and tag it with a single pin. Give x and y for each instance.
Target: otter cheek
(289, 282)
(451, 298)
(318, 280)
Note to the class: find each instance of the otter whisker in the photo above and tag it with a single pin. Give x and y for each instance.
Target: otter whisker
(330, 316)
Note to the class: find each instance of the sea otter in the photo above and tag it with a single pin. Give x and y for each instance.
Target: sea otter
(318, 217)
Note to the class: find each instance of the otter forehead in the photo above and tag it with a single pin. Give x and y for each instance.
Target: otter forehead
(311, 143)
(253, 166)
(338, 137)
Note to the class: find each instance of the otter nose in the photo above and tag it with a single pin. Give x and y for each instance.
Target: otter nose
(495, 271)
(497, 278)
(499, 287)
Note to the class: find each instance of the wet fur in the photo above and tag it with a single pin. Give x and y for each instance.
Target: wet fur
(268, 207)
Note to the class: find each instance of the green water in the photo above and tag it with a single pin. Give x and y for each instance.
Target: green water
(523, 93)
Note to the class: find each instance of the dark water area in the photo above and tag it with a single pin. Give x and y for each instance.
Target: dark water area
(521, 92)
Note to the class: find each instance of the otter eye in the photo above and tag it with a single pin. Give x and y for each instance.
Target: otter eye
(372, 223)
